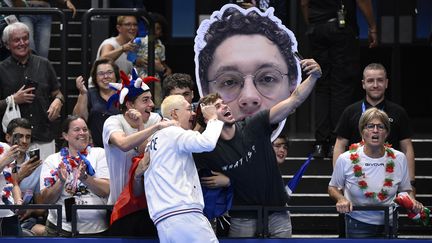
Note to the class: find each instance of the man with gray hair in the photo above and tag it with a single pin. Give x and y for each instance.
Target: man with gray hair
(32, 82)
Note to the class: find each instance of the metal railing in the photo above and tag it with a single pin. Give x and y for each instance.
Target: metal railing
(332, 209)
(77, 207)
(57, 207)
(262, 214)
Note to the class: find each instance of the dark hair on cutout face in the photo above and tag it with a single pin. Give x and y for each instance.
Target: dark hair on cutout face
(232, 23)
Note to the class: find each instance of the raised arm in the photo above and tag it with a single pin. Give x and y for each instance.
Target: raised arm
(281, 110)
(366, 8)
(80, 108)
(128, 142)
(108, 51)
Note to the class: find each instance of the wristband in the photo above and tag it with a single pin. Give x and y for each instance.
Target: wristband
(60, 98)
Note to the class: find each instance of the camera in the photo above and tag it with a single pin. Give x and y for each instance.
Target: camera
(34, 153)
(29, 83)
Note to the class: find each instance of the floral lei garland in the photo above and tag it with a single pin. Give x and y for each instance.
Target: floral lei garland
(361, 177)
(71, 163)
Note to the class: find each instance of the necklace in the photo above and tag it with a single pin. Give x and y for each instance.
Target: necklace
(382, 194)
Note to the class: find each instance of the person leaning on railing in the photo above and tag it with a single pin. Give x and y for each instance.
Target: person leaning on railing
(370, 173)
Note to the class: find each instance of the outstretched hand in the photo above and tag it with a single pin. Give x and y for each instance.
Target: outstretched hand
(311, 67)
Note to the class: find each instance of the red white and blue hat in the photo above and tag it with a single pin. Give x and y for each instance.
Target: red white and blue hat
(129, 88)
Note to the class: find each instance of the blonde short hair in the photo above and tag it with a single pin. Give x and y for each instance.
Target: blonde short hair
(120, 19)
(170, 103)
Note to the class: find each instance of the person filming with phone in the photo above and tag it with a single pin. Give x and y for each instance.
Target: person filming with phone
(30, 82)
(26, 172)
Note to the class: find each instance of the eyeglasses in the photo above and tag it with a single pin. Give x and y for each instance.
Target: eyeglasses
(103, 74)
(371, 127)
(129, 25)
(189, 109)
(266, 80)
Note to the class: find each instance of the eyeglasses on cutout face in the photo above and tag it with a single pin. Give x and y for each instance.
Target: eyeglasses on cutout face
(229, 84)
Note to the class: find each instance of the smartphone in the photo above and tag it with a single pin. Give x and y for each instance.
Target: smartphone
(29, 83)
(10, 19)
(16, 138)
(34, 153)
(68, 202)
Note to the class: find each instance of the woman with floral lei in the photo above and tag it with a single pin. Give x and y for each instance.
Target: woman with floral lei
(370, 173)
(78, 174)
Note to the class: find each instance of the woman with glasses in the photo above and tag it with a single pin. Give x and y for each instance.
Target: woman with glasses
(370, 173)
(92, 103)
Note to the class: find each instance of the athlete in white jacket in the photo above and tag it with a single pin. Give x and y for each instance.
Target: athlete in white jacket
(171, 181)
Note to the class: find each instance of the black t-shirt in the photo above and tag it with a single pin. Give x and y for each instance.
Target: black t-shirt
(400, 127)
(320, 11)
(248, 159)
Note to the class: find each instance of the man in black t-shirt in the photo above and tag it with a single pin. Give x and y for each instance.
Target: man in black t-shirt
(375, 83)
(245, 154)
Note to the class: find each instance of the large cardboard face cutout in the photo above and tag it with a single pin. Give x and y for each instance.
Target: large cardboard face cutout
(246, 55)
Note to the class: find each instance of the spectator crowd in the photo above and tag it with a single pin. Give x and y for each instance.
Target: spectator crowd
(161, 155)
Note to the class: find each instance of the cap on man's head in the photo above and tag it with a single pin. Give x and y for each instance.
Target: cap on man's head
(129, 88)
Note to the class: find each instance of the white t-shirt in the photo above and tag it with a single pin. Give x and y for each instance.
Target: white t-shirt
(374, 169)
(171, 182)
(3, 183)
(119, 162)
(88, 221)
